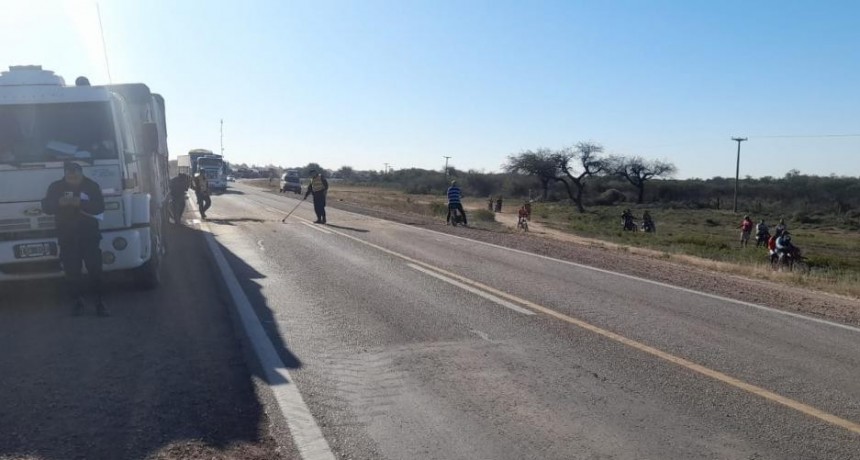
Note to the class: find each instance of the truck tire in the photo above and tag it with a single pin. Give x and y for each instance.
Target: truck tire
(148, 275)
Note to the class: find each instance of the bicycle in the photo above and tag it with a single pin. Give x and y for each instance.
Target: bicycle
(523, 223)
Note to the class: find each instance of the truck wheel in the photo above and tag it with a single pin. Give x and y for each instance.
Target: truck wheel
(148, 275)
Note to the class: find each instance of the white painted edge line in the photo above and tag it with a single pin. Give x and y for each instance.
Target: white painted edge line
(307, 435)
(636, 278)
(479, 292)
(315, 227)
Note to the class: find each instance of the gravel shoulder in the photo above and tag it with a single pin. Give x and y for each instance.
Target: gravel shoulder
(637, 263)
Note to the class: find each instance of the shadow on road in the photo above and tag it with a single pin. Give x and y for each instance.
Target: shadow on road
(353, 229)
(232, 221)
(232, 191)
(164, 375)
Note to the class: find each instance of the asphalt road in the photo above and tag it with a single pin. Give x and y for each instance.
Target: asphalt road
(408, 343)
(164, 377)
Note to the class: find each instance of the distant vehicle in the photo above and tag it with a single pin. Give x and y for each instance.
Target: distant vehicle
(231, 179)
(290, 182)
(212, 168)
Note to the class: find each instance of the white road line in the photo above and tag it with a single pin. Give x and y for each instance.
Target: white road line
(479, 292)
(632, 277)
(315, 227)
(307, 435)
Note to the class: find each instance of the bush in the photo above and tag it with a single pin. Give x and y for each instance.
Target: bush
(437, 208)
(483, 215)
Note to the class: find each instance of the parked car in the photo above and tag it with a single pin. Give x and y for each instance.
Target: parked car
(290, 182)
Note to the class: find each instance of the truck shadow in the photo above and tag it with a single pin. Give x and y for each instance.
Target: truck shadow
(168, 372)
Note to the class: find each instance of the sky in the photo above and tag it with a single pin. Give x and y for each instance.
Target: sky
(364, 83)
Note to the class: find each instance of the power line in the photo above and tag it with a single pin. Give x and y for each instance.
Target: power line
(104, 43)
(810, 136)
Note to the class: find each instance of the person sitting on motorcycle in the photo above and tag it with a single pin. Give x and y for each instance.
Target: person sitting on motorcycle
(522, 215)
(454, 196)
(647, 222)
(784, 247)
(627, 220)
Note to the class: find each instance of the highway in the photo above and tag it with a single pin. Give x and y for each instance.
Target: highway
(370, 339)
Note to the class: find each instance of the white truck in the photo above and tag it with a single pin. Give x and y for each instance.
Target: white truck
(212, 168)
(117, 133)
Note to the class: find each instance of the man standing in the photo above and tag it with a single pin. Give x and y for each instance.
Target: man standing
(178, 187)
(746, 229)
(454, 202)
(201, 189)
(319, 188)
(78, 205)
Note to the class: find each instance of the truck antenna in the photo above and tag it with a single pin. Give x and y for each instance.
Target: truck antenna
(104, 44)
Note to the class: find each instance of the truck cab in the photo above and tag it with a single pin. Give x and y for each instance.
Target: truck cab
(117, 133)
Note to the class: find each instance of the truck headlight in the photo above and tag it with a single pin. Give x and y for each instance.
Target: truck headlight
(108, 258)
(120, 243)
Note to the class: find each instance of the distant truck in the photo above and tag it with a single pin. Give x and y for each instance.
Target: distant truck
(207, 163)
(212, 168)
(117, 133)
(290, 182)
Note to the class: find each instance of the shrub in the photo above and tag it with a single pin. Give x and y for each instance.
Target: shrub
(483, 215)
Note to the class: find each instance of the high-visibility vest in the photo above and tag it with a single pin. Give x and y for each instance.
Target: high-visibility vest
(317, 184)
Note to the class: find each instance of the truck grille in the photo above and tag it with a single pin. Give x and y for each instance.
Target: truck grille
(14, 225)
(46, 223)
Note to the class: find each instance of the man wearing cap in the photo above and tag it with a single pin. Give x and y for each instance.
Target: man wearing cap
(319, 187)
(78, 206)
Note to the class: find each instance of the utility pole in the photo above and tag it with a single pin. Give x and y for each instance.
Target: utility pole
(222, 138)
(386, 167)
(446, 167)
(738, 168)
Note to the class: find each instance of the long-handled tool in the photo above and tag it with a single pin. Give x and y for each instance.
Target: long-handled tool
(288, 214)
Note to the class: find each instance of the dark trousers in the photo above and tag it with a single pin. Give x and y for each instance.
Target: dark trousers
(178, 207)
(203, 201)
(459, 207)
(319, 205)
(76, 252)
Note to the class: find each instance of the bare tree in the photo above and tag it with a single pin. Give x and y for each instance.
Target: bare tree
(539, 163)
(638, 171)
(577, 164)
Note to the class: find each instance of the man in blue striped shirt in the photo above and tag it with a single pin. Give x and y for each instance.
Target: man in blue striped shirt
(454, 202)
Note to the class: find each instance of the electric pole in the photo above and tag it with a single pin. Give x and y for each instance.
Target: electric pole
(386, 168)
(222, 138)
(446, 167)
(738, 168)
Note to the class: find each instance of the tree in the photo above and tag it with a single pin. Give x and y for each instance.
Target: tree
(638, 171)
(577, 164)
(305, 171)
(539, 163)
(346, 173)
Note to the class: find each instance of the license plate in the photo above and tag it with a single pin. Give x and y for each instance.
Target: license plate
(27, 251)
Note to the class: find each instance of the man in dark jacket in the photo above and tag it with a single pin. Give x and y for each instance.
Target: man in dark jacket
(78, 206)
(319, 188)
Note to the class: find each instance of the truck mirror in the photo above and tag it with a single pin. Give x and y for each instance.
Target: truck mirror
(150, 138)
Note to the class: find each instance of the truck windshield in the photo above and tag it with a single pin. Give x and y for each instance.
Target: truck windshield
(209, 163)
(37, 133)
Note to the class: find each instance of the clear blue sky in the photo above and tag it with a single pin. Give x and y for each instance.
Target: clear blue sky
(362, 83)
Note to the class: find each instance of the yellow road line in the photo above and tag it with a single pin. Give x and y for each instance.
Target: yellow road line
(698, 368)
